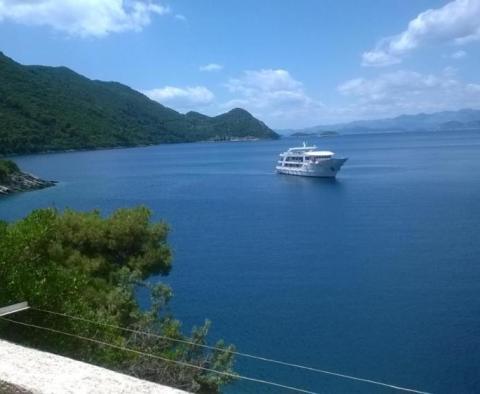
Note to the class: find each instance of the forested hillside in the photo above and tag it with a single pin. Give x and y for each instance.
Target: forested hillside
(54, 108)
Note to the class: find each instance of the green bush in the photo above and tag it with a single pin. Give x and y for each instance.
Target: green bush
(7, 168)
(82, 264)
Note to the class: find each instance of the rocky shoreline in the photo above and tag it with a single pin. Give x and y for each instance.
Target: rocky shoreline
(22, 182)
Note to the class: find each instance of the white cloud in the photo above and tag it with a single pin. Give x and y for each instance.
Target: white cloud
(273, 95)
(83, 17)
(406, 92)
(458, 54)
(182, 99)
(449, 71)
(181, 17)
(211, 67)
(266, 80)
(379, 58)
(457, 22)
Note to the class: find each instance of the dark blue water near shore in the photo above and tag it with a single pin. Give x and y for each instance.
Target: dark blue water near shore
(376, 274)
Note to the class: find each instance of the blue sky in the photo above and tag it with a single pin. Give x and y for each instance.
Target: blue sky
(291, 63)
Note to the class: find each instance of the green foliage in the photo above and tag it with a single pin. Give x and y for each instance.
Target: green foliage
(53, 108)
(84, 265)
(7, 168)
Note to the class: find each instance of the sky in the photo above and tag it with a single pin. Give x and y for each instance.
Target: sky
(293, 64)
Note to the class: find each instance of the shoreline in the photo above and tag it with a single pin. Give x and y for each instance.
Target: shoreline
(234, 140)
(24, 182)
(49, 152)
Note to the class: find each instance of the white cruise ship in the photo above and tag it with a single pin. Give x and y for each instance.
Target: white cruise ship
(308, 161)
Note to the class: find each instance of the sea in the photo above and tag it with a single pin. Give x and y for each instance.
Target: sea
(374, 275)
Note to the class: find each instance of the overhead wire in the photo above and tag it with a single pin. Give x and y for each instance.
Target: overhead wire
(226, 350)
(139, 352)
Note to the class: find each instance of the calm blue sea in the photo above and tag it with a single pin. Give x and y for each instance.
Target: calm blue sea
(376, 274)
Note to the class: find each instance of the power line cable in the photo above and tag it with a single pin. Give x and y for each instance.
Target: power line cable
(247, 355)
(182, 363)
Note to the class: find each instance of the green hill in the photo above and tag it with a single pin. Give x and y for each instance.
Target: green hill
(54, 108)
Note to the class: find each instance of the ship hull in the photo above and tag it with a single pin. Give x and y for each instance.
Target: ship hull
(325, 169)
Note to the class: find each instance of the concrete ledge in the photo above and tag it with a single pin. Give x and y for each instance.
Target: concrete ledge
(46, 373)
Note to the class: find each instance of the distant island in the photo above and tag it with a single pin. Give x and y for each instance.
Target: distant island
(54, 108)
(13, 180)
(313, 134)
(464, 119)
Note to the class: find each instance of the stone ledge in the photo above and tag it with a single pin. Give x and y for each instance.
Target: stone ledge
(46, 373)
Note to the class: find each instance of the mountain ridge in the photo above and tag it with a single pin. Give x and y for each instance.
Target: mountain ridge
(463, 119)
(46, 108)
